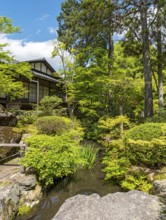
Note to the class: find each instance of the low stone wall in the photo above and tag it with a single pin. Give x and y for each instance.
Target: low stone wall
(17, 191)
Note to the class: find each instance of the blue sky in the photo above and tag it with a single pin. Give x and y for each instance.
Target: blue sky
(37, 20)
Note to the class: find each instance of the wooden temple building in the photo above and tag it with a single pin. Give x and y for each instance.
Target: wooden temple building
(45, 82)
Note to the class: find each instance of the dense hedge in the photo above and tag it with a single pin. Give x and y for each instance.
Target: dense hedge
(146, 144)
(146, 131)
(150, 153)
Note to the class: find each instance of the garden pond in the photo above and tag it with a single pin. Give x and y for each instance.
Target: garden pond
(83, 182)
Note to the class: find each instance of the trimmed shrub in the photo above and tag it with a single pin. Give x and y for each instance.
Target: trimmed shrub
(146, 131)
(52, 125)
(146, 144)
(52, 157)
(56, 125)
(149, 153)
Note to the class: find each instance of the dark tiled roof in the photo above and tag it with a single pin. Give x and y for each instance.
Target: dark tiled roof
(43, 60)
(45, 76)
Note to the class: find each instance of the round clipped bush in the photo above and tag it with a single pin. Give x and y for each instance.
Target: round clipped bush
(146, 131)
(52, 125)
(146, 144)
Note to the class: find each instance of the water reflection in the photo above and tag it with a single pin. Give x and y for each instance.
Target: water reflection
(83, 182)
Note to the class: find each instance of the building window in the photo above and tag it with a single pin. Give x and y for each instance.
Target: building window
(25, 96)
(40, 92)
(33, 92)
(46, 91)
(52, 91)
(43, 91)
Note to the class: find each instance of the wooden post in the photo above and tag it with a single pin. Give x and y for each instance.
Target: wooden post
(22, 146)
(22, 153)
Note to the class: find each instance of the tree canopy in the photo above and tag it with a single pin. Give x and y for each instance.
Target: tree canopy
(9, 68)
(105, 69)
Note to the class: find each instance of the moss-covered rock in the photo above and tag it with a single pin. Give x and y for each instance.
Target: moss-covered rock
(9, 199)
(24, 210)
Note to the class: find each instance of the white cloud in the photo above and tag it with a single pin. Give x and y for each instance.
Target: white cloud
(43, 17)
(52, 30)
(23, 50)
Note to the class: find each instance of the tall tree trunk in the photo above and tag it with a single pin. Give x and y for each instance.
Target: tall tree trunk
(159, 58)
(110, 42)
(148, 97)
(110, 52)
(110, 59)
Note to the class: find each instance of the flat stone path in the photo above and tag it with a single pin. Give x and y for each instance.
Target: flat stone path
(9, 168)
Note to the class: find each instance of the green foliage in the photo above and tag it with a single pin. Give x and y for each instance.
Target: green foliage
(161, 175)
(115, 161)
(111, 123)
(110, 128)
(6, 25)
(108, 79)
(118, 168)
(146, 144)
(48, 105)
(26, 117)
(91, 86)
(142, 150)
(8, 75)
(87, 154)
(136, 181)
(67, 73)
(151, 153)
(52, 157)
(80, 35)
(126, 80)
(158, 118)
(92, 131)
(146, 132)
(52, 125)
(9, 69)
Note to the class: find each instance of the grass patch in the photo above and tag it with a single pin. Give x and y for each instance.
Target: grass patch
(88, 154)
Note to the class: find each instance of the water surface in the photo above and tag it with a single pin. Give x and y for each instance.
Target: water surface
(83, 182)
